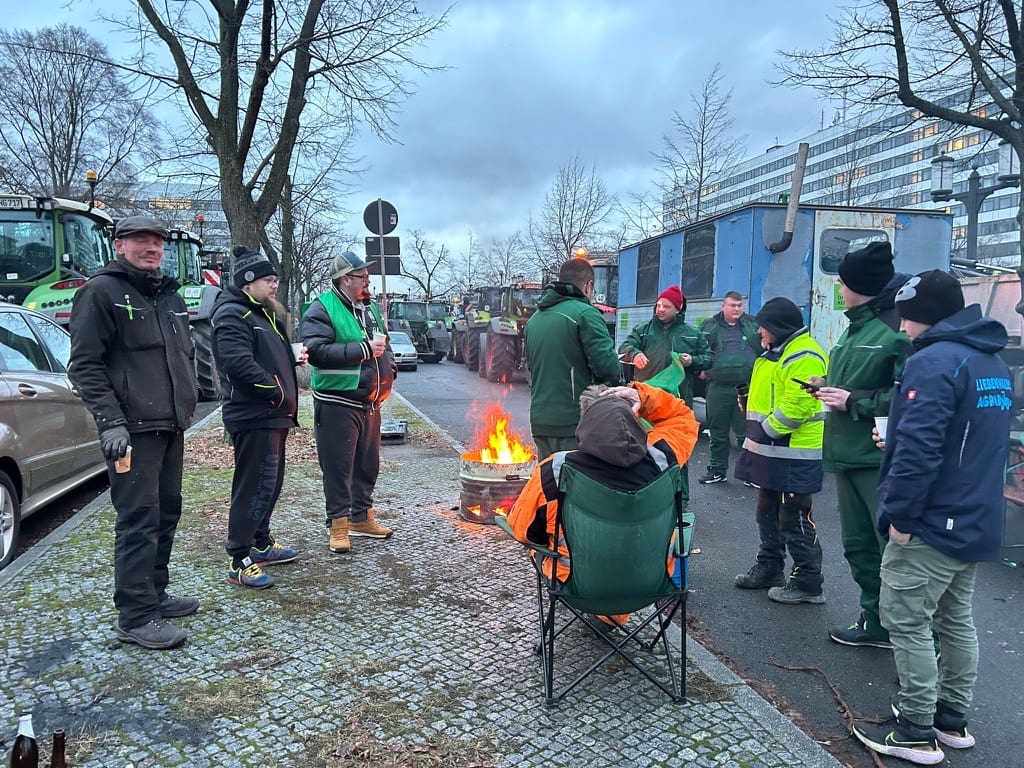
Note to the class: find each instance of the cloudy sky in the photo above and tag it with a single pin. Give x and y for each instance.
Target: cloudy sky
(531, 83)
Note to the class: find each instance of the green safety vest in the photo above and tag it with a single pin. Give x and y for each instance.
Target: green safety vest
(346, 329)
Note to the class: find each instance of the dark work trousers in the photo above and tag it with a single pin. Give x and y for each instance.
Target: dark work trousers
(784, 521)
(348, 448)
(255, 486)
(723, 415)
(863, 545)
(148, 504)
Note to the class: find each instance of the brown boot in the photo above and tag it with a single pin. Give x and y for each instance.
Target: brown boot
(339, 535)
(370, 527)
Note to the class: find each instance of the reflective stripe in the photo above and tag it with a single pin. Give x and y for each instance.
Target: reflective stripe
(802, 353)
(772, 433)
(557, 460)
(782, 451)
(659, 457)
(339, 371)
(783, 419)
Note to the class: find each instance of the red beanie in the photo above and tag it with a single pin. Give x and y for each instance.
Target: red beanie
(675, 296)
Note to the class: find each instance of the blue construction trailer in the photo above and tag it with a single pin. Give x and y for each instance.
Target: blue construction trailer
(745, 250)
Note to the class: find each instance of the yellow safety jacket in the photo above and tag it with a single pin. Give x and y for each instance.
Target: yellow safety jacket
(785, 422)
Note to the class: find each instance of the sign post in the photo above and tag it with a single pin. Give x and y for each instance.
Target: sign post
(381, 218)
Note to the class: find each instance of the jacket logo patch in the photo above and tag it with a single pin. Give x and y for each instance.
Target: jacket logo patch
(912, 394)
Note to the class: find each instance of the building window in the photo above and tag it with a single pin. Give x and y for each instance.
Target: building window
(699, 262)
(648, 271)
(835, 243)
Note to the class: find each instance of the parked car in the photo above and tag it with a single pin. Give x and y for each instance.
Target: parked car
(48, 440)
(405, 353)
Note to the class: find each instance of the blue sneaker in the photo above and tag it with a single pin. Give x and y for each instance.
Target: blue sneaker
(249, 575)
(273, 554)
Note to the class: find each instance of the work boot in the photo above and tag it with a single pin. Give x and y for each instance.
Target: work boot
(794, 593)
(340, 543)
(905, 740)
(760, 576)
(157, 635)
(174, 607)
(369, 527)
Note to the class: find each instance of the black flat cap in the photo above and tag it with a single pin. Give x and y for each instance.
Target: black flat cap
(133, 225)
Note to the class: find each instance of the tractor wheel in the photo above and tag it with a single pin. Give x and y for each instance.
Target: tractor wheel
(485, 342)
(458, 342)
(207, 374)
(472, 350)
(501, 358)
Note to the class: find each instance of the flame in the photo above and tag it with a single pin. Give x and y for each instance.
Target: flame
(497, 443)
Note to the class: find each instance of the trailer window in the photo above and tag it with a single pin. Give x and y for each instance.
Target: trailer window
(648, 272)
(699, 262)
(835, 243)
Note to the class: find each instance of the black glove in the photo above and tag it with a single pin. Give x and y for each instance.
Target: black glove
(114, 443)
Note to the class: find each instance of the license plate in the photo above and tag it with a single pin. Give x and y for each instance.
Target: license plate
(11, 202)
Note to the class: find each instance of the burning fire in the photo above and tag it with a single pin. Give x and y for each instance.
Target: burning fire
(475, 510)
(497, 443)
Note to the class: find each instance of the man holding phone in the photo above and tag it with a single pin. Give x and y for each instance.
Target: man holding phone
(865, 362)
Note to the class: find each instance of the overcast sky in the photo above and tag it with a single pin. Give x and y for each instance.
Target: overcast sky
(530, 83)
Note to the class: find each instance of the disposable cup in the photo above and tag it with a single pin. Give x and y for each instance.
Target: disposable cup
(297, 351)
(124, 464)
(378, 336)
(882, 425)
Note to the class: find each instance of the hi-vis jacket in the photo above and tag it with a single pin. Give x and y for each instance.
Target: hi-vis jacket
(785, 422)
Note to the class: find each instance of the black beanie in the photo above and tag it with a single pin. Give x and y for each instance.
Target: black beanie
(781, 317)
(867, 270)
(249, 266)
(929, 297)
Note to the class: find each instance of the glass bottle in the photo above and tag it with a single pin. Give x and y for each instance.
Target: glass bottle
(26, 752)
(57, 758)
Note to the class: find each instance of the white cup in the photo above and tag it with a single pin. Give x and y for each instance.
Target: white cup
(882, 425)
(297, 351)
(378, 336)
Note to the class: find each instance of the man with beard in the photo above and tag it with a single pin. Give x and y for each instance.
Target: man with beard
(353, 375)
(257, 369)
(132, 362)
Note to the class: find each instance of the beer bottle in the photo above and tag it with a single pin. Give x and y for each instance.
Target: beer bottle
(26, 752)
(57, 758)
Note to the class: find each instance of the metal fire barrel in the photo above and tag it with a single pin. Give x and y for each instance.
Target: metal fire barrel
(489, 487)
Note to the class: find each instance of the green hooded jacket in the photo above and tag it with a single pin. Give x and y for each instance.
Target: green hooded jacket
(866, 360)
(732, 368)
(567, 349)
(657, 341)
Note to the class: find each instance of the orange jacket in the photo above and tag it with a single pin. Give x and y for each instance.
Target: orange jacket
(671, 420)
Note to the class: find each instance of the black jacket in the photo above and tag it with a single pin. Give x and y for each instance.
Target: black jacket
(376, 375)
(131, 351)
(256, 364)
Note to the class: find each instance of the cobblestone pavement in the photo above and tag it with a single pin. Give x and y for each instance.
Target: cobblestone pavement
(407, 652)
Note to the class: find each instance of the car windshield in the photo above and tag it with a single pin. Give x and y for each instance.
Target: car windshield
(399, 337)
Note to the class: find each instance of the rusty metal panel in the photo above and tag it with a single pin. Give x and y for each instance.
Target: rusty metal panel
(998, 296)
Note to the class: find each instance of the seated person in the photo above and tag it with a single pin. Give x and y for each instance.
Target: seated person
(615, 450)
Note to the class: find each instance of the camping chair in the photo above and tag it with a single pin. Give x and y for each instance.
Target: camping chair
(620, 543)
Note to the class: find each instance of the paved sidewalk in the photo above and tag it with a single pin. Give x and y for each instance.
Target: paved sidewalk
(410, 652)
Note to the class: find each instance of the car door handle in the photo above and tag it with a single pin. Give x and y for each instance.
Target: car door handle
(76, 393)
(27, 390)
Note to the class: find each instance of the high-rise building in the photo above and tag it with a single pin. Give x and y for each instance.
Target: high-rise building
(880, 158)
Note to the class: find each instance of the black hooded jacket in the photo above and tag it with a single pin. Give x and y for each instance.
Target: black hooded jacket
(131, 350)
(256, 363)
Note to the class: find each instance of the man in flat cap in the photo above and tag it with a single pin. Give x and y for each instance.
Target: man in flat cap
(353, 372)
(863, 365)
(132, 361)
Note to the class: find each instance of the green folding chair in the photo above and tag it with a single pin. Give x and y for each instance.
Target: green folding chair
(620, 543)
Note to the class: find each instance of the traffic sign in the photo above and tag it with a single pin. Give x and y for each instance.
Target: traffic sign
(392, 246)
(380, 217)
(392, 266)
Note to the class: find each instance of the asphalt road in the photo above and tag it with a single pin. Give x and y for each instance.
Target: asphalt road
(758, 638)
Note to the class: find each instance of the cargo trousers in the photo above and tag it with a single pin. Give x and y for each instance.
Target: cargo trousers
(924, 590)
(724, 415)
(785, 521)
(857, 493)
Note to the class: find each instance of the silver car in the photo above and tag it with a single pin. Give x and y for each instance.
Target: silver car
(405, 352)
(48, 440)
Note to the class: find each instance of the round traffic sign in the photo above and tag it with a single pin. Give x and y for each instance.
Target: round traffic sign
(380, 212)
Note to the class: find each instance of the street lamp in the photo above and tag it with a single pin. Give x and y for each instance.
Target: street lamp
(91, 179)
(942, 188)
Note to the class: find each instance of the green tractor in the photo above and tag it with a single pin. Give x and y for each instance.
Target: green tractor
(425, 322)
(184, 261)
(475, 316)
(49, 246)
(501, 346)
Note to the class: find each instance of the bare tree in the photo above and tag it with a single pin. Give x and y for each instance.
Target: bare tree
(507, 261)
(428, 265)
(255, 78)
(468, 265)
(914, 52)
(641, 217)
(66, 109)
(700, 151)
(573, 210)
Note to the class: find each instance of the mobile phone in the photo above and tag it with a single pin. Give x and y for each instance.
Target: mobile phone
(807, 385)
